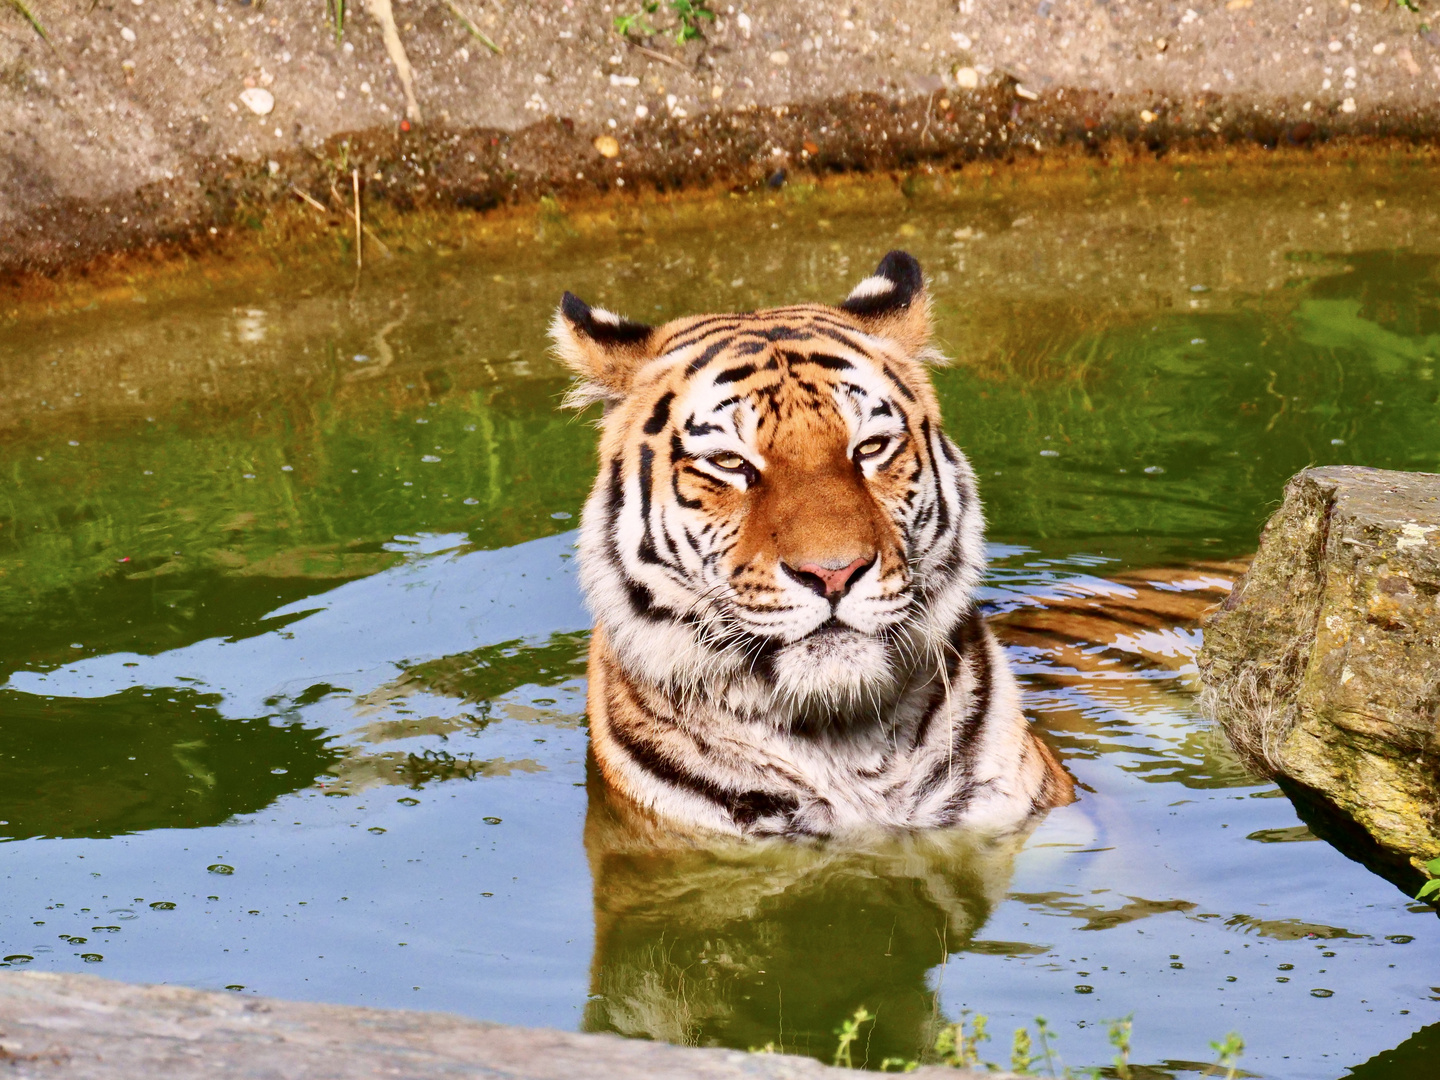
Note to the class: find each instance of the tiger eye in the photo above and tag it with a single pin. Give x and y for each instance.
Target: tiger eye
(870, 447)
(729, 462)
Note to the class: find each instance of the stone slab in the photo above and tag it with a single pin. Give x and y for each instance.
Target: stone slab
(79, 1027)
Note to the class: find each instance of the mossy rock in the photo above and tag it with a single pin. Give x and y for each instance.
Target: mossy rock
(1323, 665)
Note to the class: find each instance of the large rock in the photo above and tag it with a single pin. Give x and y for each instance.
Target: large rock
(1323, 665)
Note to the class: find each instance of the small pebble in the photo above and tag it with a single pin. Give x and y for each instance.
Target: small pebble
(967, 78)
(607, 146)
(127, 33)
(779, 58)
(258, 100)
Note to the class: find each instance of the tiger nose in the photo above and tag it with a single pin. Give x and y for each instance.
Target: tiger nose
(829, 581)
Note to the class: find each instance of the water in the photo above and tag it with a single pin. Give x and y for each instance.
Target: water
(291, 652)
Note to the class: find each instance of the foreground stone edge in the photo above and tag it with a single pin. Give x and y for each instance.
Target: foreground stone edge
(81, 1026)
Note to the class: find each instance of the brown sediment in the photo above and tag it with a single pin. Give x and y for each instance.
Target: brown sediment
(304, 217)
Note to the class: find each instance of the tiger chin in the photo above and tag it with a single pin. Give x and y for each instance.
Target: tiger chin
(781, 553)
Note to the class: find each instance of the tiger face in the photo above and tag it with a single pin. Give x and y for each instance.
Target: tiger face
(778, 517)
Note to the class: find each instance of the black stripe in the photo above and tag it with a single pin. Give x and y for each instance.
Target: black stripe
(661, 416)
(942, 508)
(735, 374)
(642, 600)
(647, 468)
(787, 333)
(742, 348)
(616, 500)
(699, 331)
(689, 504)
(834, 363)
(843, 338)
(745, 807)
(909, 396)
(647, 552)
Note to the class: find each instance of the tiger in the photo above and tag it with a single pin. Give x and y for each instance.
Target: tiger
(739, 942)
(781, 553)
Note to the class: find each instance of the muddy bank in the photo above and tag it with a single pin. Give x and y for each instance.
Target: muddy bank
(141, 122)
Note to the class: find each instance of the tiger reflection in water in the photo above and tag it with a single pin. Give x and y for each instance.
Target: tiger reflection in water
(810, 767)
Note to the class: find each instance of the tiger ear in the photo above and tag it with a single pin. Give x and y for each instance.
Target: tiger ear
(603, 349)
(892, 302)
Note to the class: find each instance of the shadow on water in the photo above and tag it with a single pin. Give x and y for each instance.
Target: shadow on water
(141, 760)
(1416, 1057)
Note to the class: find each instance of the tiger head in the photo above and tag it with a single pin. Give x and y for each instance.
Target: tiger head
(778, 518)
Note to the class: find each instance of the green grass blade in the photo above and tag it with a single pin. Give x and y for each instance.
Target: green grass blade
(29, 16)
(475, 30)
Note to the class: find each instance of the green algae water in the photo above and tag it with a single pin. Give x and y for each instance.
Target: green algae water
(292, 653)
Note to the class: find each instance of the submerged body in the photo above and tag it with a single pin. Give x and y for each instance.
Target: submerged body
(781, 553)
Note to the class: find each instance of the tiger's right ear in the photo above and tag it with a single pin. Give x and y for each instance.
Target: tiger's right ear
(603, 349)
(892, 302)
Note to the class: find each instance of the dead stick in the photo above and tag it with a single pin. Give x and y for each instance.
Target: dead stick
(657, 55)
(318, 205)
(309, 199)
(355, 180)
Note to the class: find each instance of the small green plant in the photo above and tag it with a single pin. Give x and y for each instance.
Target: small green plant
(955, 1047)
(1022, 1052)
(1431, 887)
(958, 1046)
(849, 1031)
(637, 23)
(1228, 1051)
(688, 15)
(1120, 1039)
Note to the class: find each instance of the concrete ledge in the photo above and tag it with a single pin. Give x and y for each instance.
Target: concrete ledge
(82, 1027)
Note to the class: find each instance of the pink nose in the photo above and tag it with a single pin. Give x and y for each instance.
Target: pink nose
(829, 582)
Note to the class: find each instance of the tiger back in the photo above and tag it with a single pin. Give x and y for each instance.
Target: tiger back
(781, 553)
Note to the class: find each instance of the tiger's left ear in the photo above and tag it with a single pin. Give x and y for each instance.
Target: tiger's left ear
(892, 302)
(603, 349)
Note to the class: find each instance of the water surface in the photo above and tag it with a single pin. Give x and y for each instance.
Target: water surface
(291, 651)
